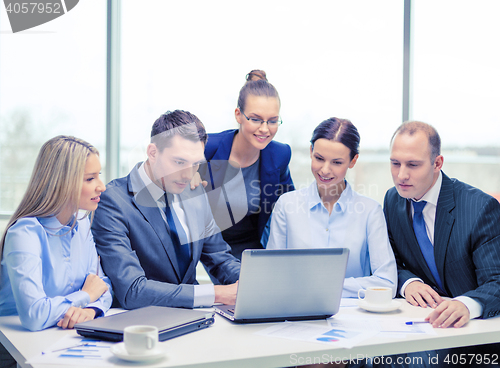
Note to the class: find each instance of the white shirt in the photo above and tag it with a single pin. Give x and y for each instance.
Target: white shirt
(204, 295)
(429, 213)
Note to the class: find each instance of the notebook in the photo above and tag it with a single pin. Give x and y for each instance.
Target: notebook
(288, 285)
(171, 322)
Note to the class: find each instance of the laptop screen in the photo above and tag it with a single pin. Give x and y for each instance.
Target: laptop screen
(290, 283)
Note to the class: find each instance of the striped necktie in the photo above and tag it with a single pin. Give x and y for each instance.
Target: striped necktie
(178, 236)
(423, 240)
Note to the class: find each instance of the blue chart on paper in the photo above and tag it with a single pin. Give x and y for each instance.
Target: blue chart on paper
(327, 339)
(336, 335)
(89, 349)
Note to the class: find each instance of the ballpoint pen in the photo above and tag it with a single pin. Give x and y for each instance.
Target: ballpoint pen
(415, 322)
(98, 263)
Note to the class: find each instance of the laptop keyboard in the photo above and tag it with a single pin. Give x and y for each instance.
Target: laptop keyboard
(231, 310)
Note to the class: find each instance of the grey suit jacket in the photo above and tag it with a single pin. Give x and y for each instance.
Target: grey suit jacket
(466, 243)
(137, 253)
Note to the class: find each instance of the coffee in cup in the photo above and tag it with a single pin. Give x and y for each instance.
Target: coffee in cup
(376, 295)
(140, 339)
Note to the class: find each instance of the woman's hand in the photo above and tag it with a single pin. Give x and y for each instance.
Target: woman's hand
(195, 182)
(76, 315)
(94, 286)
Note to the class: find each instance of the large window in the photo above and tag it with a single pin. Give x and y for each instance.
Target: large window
(326, 58)
(52, 81)
(456, 79)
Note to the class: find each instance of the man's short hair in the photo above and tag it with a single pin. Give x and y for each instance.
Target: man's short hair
(177, 122)
(412, 127)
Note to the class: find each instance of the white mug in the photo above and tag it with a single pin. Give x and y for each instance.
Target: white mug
(376, 295)
(140, 340)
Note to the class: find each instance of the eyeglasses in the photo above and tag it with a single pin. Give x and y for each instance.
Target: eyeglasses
(259, 122)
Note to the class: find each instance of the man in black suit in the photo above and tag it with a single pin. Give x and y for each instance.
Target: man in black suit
(445, 234)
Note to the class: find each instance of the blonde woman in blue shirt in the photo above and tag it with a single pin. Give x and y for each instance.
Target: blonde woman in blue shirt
(50, 273)
(330, 214)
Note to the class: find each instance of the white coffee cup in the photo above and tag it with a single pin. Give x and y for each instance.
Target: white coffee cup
(376, 295)
(140, 339)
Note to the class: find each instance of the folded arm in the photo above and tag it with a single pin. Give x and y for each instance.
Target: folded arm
(41, 292)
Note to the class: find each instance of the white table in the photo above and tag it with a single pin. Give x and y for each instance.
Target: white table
(229, 345)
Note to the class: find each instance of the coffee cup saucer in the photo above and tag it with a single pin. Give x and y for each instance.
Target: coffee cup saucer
(393, 305)
(119, 351)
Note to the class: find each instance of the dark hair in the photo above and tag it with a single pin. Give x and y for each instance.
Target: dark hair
(177, 122)
(411, 127)
(256, 85)
(339, 130)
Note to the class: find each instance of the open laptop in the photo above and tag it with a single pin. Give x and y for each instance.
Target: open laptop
(288, 285)
(171, 322)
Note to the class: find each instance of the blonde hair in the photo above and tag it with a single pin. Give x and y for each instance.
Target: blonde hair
(56, 180)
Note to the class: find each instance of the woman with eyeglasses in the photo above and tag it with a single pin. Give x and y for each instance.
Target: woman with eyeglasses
(50, 271)
(247, 160)
(330, 214)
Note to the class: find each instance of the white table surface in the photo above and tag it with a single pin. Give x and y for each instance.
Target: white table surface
(229, 345)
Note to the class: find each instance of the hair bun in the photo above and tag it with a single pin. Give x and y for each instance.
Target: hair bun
(256, 85)
(256, 75)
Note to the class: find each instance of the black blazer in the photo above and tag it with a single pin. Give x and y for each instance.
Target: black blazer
(273, 171)
(466, 243)
(137, 252)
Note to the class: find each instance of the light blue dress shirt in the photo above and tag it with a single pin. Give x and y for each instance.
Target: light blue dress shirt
(44, 266)
(300, 220)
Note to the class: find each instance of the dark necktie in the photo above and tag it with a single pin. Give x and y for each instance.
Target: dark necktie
(424, 241)
(179, 238)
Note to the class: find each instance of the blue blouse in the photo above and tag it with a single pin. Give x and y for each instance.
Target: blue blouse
(300, 220)
(44, 266)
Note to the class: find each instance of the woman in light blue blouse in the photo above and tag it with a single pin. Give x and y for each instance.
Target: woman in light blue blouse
(50, 272)
(330, 214)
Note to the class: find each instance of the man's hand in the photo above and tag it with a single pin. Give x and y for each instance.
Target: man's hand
(419, 294)
(226, 294)
(76, 315)
(196, 180)
(449, 313)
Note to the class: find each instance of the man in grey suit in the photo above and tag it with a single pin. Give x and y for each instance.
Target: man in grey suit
(445, 234)
(150, 232)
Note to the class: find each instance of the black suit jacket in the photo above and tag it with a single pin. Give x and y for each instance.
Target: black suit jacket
(466, 243)
(274, 174)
